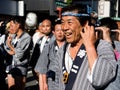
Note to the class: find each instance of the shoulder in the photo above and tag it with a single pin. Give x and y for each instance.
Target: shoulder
(117, 45)
(36, 34)
(104, 43)
(26, 36)
(62, 49)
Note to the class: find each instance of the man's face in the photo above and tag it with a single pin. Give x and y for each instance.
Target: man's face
(40, 28)
(13, 27)
(59, 34)
(46, 27)
(71, 28)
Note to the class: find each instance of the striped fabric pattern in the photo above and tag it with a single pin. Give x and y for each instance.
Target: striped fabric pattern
(104, 72)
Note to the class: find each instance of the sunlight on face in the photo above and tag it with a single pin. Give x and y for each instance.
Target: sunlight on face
(71, 28)
(46, 26)
(58, 32)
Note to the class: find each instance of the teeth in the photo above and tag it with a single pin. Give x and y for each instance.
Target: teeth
(68, 33)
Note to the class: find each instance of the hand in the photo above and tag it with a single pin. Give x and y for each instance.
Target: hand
(106, 33)
(45, 86)
(88, 36)
(9, 40)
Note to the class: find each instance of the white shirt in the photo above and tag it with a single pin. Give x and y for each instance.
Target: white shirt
(43, 43)
(68, 60)
(35, 37)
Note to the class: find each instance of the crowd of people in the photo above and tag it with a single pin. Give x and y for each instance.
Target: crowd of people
(80, 52)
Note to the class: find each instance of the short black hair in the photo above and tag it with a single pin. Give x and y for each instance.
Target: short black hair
(19, 20)
(111, 24)
(108, 22)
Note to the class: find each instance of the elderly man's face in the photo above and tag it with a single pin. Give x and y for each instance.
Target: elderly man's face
(46, 27)
(71, 28)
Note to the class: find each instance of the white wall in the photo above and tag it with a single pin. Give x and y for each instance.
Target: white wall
(104, 9)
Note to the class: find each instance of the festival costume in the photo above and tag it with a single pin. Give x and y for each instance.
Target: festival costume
(103, 73)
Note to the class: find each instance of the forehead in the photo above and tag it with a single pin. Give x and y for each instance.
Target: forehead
(58, 26)
(12, 22)
(69, 18)
(46, 22)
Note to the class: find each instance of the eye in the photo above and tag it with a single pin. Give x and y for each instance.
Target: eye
(70, 22)
(62, 22)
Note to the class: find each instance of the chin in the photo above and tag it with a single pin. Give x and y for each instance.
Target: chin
(69, 41)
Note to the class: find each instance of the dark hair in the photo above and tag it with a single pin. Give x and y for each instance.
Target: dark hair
(58, 21)
(111, 24)
(20, 20)
(3, 27)
(80, 8)
(108, 22)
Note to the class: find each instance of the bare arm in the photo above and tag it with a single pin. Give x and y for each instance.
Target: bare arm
(43, 82)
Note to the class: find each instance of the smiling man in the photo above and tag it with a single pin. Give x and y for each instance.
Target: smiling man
(84, 63)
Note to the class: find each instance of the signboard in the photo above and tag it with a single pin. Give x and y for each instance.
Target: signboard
(63, 3)
(104, 9)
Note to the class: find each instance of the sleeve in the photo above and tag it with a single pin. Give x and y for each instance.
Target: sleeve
(42, 63)
(22, 48)
(106, 66)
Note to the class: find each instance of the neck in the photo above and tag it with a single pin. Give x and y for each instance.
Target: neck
(60, 43)
(79, 43)
(19, 33)
(74, 49)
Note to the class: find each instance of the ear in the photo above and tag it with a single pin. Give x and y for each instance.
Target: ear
(83, 30)
(86, 24)
(18, 25)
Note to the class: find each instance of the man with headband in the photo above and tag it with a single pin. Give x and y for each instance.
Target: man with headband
(84, 62)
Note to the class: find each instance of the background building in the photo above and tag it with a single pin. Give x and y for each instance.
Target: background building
(47, 8)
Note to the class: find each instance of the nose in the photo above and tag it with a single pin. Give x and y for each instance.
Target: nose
(65, 26)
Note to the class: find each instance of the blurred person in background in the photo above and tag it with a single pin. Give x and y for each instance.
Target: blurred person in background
(47, 61)
(38, 34)
(19, 44)
(46, 27)
(109, 31)
(3, 54)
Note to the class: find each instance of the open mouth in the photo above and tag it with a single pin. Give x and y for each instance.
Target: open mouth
(68, 34)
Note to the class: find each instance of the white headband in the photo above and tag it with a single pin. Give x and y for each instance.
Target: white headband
(74, 14)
